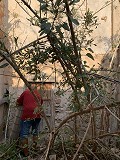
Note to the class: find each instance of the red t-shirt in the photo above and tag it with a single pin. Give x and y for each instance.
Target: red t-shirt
(29, 104)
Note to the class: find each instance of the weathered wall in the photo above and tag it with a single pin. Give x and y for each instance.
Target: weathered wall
(17, 26)
(1, 18)
(102, 34)
(107, 39)
(116, 23)
(1, 36)
(2, 70)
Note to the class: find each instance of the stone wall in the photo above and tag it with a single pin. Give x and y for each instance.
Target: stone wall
(2, 78)
(1, 18)
(16, 24)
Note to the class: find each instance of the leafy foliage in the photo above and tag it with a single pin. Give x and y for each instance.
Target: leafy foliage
(66, 36)
(8, 151)
(4, 65)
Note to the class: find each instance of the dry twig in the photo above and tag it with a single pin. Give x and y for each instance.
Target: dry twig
(83, 137)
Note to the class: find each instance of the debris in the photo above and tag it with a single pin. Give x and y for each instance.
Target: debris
(52, 157)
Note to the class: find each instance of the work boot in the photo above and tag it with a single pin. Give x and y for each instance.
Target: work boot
(35, 140)
(24, 147)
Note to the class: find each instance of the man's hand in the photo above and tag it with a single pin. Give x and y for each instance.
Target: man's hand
(17, 104)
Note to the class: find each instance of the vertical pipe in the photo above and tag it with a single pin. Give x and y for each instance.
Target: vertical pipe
(86, 5)
(55, 74)
(112, 26)
(40, 9)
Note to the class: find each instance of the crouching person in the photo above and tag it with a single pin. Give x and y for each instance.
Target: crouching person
(29, 118)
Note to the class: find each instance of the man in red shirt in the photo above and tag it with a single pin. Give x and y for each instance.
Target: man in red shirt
(29, 119)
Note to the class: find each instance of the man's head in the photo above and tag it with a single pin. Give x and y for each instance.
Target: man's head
(33, 86)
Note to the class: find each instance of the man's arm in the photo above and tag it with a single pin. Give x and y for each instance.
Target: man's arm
(19, 101)
(17, 104)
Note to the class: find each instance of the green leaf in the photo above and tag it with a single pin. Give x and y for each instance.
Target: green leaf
(87, 90)
(57, 3)
(75, 21)
(65, 26)
(43, 6)
(16, 41)
(90, 56)
(90, 50)
(46, 26)
(59, 31)
(41, 1)
(73, 2)
(4, 65)
(41, 32)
